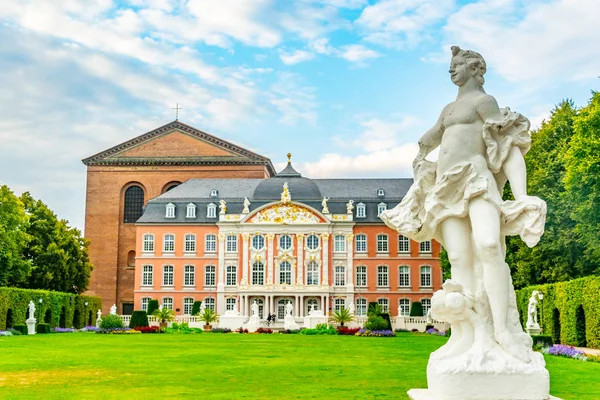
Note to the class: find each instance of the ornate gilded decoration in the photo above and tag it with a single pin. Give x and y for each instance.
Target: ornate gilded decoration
(342, 217)
(245, 237)
(350, 237)
(230, 217)
(286, 197)
(285, 214)
(325, 236)
(223, 206)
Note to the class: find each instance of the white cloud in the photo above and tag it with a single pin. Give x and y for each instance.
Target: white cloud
(295, 101)
(379, 134)
(358, 53)
(527, 41)
(296, 57)
(321, 46)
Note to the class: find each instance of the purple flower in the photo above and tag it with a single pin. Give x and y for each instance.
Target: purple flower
(565, 351)
(64, 330)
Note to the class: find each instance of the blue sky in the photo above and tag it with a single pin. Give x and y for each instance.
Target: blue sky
(348, 86)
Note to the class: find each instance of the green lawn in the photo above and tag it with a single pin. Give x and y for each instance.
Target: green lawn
(229, 366)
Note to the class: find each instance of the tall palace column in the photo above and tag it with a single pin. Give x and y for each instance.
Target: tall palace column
(300, 259)
(270, 256)
(221, 275)
(349, 262)
(325, 239)
(245, 237)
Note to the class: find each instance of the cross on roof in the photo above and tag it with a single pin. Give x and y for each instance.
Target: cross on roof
(177, 108)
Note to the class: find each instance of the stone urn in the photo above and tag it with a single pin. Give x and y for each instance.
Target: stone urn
(207, 327)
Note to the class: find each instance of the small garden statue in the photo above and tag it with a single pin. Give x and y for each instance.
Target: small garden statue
(325, 209)
(532, 325)
(223, 206)
(247, 203)
(31, 310)
(113, 309)
(350, 206)
(98, 318)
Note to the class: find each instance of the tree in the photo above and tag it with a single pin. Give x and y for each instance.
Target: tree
(14, 222)
(57, 252)
(342, 316)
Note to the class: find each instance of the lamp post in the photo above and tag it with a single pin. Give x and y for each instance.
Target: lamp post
(40, 309)
(541, 297)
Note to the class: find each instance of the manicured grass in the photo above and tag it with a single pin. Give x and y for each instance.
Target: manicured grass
(228, 366)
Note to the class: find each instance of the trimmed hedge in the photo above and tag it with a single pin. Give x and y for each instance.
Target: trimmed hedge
(152, 306)
(138, 319)
(196, 307)
(416, 309)
(43, 328)
(56, 307)
(569, 312)
(21, 328)
(544, 340)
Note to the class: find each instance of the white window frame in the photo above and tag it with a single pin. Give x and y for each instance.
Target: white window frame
(404, 305)
(258, 273)
(359, 276)
(231, 275)
(230, 303)
(311, 240)
(380, 192)
(188, 305)
(144, 301)
(189, 243)
(426, 305)
(255, 240)
(147, 275)
(383, 276)
(361, 210)
(210, 243)
(361, 237)
(148, 243)
(384, 303)
(231, 243)
(339, 278)
(168, 275)
(285, 242)
(211, 211)
(209, 302)
(425, 247)
(313, 273)
(190, 210)
(339, 303)
(214, 193)
(167, 304)
(285, 273)
(210, 275)
(403, 244)
(170, 210)
(361, 306)
(426, 276)
(168, 244)
(381, 207)
(404, 276)
(383, 243)
(189, 275)
(339, 244)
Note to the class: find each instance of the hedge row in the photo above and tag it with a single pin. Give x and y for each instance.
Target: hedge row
(64, 310)
(569, 312)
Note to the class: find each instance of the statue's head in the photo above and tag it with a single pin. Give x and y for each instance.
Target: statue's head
(466, 64)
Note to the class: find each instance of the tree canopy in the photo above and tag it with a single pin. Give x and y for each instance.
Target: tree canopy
(14, 222)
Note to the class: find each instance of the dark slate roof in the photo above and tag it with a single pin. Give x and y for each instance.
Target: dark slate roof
(300, 189)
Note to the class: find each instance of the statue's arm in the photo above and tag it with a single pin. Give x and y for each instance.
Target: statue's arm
(514, 167)
(431, 139)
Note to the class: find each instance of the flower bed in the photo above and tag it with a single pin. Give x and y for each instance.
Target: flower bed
(64, 330)
(118, 331)
(92, 329)
(148, 329)
(5, 333)
(264, 330)
(434, 331)
(221, 330)
(344, 330)
(565, 351)
(368, 333)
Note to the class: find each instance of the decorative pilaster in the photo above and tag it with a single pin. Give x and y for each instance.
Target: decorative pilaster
(349, 262)
(270, 257)
(221, 269)
(300, 259)
(325, 240)
(245, 266)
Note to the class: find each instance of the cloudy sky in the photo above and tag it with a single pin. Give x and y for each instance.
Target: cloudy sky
(348, 86)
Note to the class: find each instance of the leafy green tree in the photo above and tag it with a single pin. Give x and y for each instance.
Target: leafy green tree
(58, 253)
(342, 316)
(14, 222)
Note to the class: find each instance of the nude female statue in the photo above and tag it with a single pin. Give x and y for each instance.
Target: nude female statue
(458, 200)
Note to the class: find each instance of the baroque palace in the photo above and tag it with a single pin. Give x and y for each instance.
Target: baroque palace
(179, 215)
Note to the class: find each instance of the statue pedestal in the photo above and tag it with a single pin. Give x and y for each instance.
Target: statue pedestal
(425, 394)
(31, 326)
(231, 320)
(290, 323)
(98, 321)
(253, 324)
(534, 331)
(311, 321)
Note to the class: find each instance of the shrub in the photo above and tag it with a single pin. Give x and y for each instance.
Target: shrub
(13, 332)
(416, 309)
(111, 322)
(138, 319)
(152, 306)
(6, 333)
(149, 329)
(347, 331)
(43, 328)
(542, 340)
(320, 329)
(386, 318)
(375, 333)
(227, 330)
(22, 328)
(196, 307)
(376, 323)
(401, 330)
(264, 330)
(290, 331)
(241, 330)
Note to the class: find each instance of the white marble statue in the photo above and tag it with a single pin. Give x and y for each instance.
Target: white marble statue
(532, 312)
(222, 206)
(350, 206)
(30, 322)
(31, 310)
(247, 203)
(458, 201)
(202, 308)
(98, 318)
(254, 309)
(325, 209)
(289, 321)
(288, 309)
(113, 309)
(286, 197)
(351, 308)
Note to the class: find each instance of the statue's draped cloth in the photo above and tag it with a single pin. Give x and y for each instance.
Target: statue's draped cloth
(432, 199)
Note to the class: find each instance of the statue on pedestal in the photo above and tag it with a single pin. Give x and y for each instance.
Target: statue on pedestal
(222, 206)
(350, 206)
(458, 202)
(325, 209)
(247, 203)
(31, 310)
(532, 312)
(113, 309)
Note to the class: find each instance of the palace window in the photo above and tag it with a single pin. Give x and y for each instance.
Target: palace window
(209, 302)
(404, 307)
(258, 242)
(380, 192)
(361, 306)
(168, 273)
(168, 243)
(210, 275)
(338, 304)
(384, 304)
(231, 243)
(231, 278)
(426, 303)
(189, 275)
(312, 242)
(188, 304)
(403, 244)
(382, 243)
(134, 204)
(190, 211)
(285, 242)
(214, 193)
(425, 247)
(381, 207)
(312, 273)
(167, 302)
(145, 301)
(148, 243)
(210, 243)
(147, 275)
(361, 210)
(361, 275)
(281, 309)
(382, 276)
(170, 208)
(361, 243)
(285, 273)
(261, 306)
(339, 244)
(340, 275)
(404, 276)
(211, 211)
(426, 276)
(230, 303)
(189, 243)
(258, 273)
(312, 304)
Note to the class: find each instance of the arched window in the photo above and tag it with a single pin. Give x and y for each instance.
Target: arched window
(384, 304)
(425, 247)
(285, 242)
(209, 302)
(261, 306)
(361, 243)
(145, 301)
(231, 244)
(361, 306)
(404, 276)
(281, 309)
(312, 242)
(340, 275)
(312, 304)
(188, 304)
(312, 273)
(134, 204)
(258, 242)
(258, 273)
(131, 258)
(285, 273)
(339, 303)
(404, 307)
(361, 275)
(382, 243)
(426, 276)
(403, 244)
(167, 302)
(148, 243)
(382, 276)
(231, 275)
(426, 303)
(230, 304)
(189, 275)
(189, 243)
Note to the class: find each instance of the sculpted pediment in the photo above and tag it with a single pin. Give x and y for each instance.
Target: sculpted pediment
(286, 214)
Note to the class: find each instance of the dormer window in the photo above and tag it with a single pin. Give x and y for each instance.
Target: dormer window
(214, 193)
(170, 211)
(380, 192)
(381, 207)
(190, 211)
(211, 211)
(361, 210)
